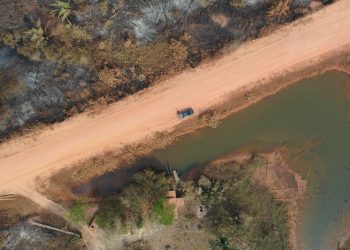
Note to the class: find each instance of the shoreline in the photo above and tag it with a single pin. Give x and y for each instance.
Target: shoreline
(208, 118)
(236, 87)
(279, 171)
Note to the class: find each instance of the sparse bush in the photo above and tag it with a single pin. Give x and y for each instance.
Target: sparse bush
(111, 77)
(179, 51)
(222, 244)
(77, 212)
(153, 58)
(38, 34)
(238, 3)
(104, 4)
(207, 3)
(29, 50)
(10, 40)
(8, 85)
(137, 245)
(279, 8)
(79, 34)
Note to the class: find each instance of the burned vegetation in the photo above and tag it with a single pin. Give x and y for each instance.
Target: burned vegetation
(58, 57)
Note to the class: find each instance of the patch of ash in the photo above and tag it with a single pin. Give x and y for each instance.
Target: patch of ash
(25, 236)
(47, 90)
(156, 15)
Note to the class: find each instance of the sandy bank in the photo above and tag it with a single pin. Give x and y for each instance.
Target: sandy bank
(286, 185)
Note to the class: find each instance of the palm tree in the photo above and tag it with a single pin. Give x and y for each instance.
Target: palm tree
(63, 9)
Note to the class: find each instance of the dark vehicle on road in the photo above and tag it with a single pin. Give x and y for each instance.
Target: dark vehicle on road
(185, 112)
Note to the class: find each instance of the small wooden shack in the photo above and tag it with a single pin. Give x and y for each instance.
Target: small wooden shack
(178, 202)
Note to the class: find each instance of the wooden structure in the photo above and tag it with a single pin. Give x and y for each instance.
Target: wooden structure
(178, 202)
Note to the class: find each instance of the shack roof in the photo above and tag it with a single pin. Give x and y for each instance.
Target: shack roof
(171, 194)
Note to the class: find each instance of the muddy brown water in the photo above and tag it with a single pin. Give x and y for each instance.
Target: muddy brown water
(312, 117)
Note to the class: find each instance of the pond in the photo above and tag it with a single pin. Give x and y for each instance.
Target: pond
(311, 112)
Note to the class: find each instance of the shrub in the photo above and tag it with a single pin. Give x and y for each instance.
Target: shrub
(79, 34)
(77, 212)
(63, 10)
(38, 34)
(111, 77)
(207, 3)
(238, 3)
(104, 7)
(9, 40)
(109, 213)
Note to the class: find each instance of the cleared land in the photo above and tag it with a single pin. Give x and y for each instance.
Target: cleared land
(154, 110)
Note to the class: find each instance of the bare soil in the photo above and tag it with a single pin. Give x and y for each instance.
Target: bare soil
(11, 211)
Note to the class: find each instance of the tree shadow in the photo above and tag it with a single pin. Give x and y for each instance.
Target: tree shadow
(114, 181)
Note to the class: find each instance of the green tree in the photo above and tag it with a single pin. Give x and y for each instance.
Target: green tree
(136, 202)
(109, 213)
(244, 211)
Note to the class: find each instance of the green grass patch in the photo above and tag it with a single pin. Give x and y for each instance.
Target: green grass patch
(163, 211)
(77, 212)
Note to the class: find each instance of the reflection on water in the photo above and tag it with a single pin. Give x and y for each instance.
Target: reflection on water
(312, 118)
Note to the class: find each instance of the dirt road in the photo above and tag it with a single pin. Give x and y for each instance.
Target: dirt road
(155, 109)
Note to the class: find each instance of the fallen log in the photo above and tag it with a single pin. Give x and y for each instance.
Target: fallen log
(53, 228)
